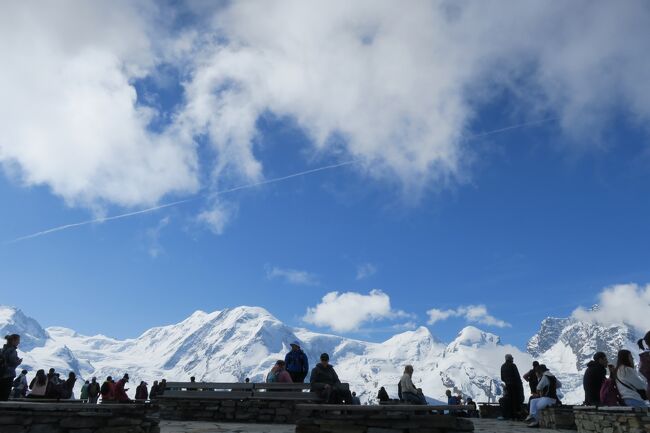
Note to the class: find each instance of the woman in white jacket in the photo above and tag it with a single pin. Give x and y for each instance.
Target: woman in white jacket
(628, 381)
(547, 389)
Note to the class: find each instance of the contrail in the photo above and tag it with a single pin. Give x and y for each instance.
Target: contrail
(179, 202)
(240, 187)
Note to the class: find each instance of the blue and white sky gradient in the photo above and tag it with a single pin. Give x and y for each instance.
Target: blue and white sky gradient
(482, 162)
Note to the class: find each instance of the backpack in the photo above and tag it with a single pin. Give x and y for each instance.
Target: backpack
(609, 395)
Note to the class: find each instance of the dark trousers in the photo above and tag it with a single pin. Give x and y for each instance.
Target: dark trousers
(6, 383)
(297, 376)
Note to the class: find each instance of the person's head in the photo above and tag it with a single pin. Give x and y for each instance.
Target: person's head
(40, 373)
(24, 372)
(408, 369)
(509, 358)
(280, 364)
(192, 379)
(324, 359)
(155, 382)
(57, 374)
(163, 381)
(354, 394)
(469, 400)
(541, 370)
(142, 383)
(71, 375)
(601, 358)
(448, 393)
(646, 338)
(624, 358)
(247, 380)
(87, 382)
(295, 345)
(125, 378)
(93, 380)
(382, 389)
(109, 379)
(13, 339)
(51, 371)
(535, 365)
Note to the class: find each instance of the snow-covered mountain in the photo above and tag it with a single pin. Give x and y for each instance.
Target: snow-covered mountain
(241, 342)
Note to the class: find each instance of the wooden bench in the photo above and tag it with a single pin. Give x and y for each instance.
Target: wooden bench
(321, 418)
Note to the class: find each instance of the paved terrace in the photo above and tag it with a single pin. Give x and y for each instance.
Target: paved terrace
(480, 425)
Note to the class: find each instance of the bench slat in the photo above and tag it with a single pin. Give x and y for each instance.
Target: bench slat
(209, 385)
(220, 395)
(269, 395)
(275, 385)
(382, 408)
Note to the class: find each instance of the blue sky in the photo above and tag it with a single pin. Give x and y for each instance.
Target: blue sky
(499, 231)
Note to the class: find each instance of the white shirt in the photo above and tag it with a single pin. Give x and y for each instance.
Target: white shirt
(630, 377)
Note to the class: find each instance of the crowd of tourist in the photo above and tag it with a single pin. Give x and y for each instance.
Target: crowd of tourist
(604, 383)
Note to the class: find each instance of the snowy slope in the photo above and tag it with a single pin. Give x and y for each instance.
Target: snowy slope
(241, 342)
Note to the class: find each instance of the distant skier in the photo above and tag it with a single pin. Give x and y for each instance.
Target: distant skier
(594, 377)
(514, 386)
(9, 360)
(297, 363)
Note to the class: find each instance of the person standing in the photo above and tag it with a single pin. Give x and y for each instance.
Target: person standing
(84, 392)
(297, 363)
(514, 386)
(531, 378)
(9, 360)
(594, 377)
(93, 391)
(107, 390)
(20, 385)
(120, 391)
(154, 390)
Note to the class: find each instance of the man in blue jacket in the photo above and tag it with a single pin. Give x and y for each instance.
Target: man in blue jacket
(297, 363)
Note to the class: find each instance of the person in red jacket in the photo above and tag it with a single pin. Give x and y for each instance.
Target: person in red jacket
(120, 391)
(108, 390)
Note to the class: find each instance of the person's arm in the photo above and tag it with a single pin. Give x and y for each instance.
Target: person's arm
(543, 383)
(305, 363)
(12, 360)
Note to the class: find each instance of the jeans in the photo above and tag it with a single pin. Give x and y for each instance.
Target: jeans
(538, 404)
(634, 402)
(413, 398)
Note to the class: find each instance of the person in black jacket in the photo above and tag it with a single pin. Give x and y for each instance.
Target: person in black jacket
(9, 362)
(531, 378)
(326, 383)
(514, 386)
(595, 375)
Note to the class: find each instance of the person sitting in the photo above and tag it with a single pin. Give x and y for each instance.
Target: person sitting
(355, 400)
(473, 412)
(594, 377)
(279, 373)
(452, 400)
(410, 393)
(326, 383)
(66, 388)
(631, 385)
(547, 390)
(38, 385)
(382, 395)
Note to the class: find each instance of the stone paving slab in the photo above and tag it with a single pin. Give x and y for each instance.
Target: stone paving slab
(480, 426)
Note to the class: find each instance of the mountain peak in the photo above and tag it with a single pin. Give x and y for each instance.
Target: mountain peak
(472, 336)
(14, 321)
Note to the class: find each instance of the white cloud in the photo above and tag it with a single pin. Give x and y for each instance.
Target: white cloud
(620, 304)
(218, 215)
(345, 312)
(69, 116)
(366, 270)
(393, 86)
(153, 237)
(292, 276)
(471, 313)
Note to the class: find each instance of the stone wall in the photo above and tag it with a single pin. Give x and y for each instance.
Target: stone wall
(384, 423)
(612, 420)
(557, 417)
(77, 418)
(249, 410)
